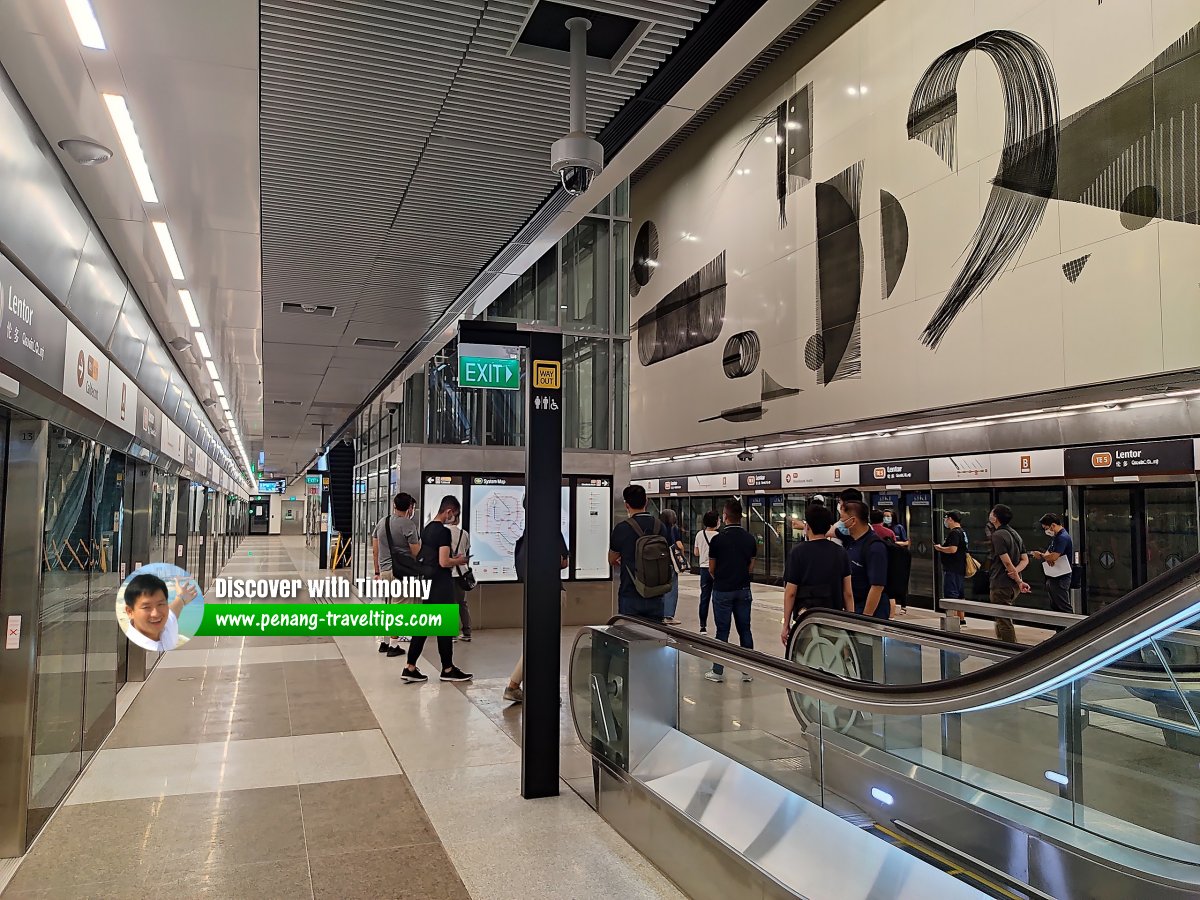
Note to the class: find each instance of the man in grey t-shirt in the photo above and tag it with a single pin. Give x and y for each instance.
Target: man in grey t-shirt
(406, 538)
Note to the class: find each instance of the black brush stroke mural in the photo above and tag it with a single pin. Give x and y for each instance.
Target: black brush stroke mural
(751, 412)
(839, 277)
(1074, 268)
(1135, 151)
(893, 242)
(773, 390)
(689, 316)
(1029, 162)
(790, 128)
(741, 354)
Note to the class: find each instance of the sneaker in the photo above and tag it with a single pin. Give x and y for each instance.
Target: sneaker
(673, 621)
(747, 678)
(456, 674)
(713, 676)
(465, 637)
(514, 695)
(704, 629)
(404, 640)
(414, 676)
(383, 646)
(396, 651)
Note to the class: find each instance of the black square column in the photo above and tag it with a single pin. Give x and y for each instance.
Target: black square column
(543, 582)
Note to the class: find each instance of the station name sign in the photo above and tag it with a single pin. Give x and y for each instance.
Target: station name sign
(1121, 460)
(911, 471)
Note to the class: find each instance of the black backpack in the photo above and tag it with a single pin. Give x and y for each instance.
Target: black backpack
(653, 569)
(899, 568)
(403, 563)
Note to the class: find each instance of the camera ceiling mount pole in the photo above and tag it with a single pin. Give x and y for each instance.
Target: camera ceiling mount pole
(578, 26)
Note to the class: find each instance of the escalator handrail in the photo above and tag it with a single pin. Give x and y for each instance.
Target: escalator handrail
(1162, 605)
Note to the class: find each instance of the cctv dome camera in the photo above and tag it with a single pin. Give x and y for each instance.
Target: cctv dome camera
(745, 456)
(576, 159)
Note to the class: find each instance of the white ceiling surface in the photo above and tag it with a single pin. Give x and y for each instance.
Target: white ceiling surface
(401, 149)
(189, 72)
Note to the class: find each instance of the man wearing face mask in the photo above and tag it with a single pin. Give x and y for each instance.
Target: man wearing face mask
(1009, 559)
(1056, 562)
(868, 560)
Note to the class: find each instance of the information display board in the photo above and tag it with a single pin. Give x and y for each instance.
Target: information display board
(593, 526)
(494, 515)
(435, 488)
(497, 520)
(272, 487)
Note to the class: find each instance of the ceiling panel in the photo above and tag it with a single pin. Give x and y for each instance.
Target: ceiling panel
(402, 147)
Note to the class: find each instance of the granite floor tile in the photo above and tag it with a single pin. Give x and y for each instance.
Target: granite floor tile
(278, 880)
(335, 813)
(420, 872)
(208, 832)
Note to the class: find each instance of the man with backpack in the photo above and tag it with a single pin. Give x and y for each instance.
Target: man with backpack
(868, 561)
(638, 545)
(1009, 559)
(395, 546)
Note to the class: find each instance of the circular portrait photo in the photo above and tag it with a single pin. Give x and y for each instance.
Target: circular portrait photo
(159, 607)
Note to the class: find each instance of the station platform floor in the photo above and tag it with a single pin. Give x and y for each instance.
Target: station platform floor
(304, 767)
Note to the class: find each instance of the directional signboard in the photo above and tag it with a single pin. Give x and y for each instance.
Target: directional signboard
(484, 366)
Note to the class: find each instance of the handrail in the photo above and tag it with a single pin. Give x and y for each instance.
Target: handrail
(1159, 607)
(1048, 618)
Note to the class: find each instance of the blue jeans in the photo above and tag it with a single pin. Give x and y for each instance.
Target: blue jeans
(732, 606)
(637, 605)
(706, 585)
(953, 586)
(671, 598)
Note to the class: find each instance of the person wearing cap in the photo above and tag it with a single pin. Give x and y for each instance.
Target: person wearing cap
(954, 558)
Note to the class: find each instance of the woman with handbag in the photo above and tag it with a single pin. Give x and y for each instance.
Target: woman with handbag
(670, 520)
(464, 578)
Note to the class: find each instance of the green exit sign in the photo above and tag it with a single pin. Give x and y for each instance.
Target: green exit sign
(312, 479)
(481, 366)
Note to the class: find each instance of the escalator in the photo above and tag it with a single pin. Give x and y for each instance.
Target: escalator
(1066, 770)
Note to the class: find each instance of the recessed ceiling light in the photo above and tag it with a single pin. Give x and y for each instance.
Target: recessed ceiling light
(189, 308)
(224, 404)
(212, 370)
(86, 24)
(168, 248)
(202, 343)
(123, 122)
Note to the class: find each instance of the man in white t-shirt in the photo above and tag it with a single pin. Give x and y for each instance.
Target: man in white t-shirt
(700, 548)
(153, 621)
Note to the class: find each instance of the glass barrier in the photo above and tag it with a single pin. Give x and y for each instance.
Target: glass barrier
(1114, 753)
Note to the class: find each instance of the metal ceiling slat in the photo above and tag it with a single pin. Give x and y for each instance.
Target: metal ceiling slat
(371, 110)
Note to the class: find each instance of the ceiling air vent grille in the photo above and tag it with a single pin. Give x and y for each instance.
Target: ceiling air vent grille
(286, 402)
(307, 309)
(376, 343)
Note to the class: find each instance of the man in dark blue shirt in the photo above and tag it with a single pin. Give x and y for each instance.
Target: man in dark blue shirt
(1056, 562)
(731, 560)
(622, 548)
(868, 561)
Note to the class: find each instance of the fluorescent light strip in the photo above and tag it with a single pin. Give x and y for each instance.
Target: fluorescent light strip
(86, 24)
(212, 370)
(203, 342)
(118, 111)
(218, 388)
(189, 308)
(224, 404)
(168, 248)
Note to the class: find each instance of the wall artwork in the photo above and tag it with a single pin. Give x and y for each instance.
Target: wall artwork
(690, 316)
(1001, 169)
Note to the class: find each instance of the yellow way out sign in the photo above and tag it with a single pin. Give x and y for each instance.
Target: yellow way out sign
(547, 375)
